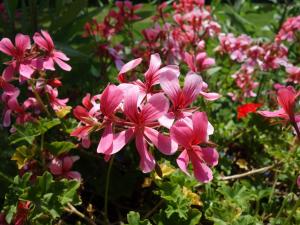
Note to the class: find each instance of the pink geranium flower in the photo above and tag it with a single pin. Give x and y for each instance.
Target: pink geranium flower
(141, 121)
(45, 42)
(20, 62)
(286, 97)
(190, 133)
(198, 63)
(151, 76)
(182, 98)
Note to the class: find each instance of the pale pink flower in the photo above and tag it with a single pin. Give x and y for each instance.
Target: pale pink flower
(190, 133)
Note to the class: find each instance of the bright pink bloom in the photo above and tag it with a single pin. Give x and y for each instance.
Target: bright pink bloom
(189, 133)
(109, 102)
(182, 98)
(244, 110)
(151, 75)
(45, 42)
(62, 167)
(141, 122)
(286, 98)
(20, 63)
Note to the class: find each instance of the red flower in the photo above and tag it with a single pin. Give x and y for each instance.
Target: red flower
(243, 110)
(22, 212)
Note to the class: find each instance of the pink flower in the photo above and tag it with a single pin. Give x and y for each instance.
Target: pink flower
(109, 102)
(182, 98)
(286, 98)
(54, 101)
(189, 133)
(20, 63)
(294, 73)
(44, 41)
(141, 121)
(62, 167)
(88, 116)
(151, 75)
(198, 63)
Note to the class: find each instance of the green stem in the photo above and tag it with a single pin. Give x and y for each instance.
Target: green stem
(6, 178)
(273, 187)
(107, 189)
(40, 101)
(292, 213)
(281, 208)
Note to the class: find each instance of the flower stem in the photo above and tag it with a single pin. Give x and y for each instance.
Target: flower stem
(237, 176)
(40, 101)
(107, 189)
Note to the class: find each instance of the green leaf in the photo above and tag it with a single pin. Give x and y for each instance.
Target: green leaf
(133, 218)
(60, 147)
(29, 131)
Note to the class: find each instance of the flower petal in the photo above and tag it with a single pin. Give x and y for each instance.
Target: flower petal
(7, 47)
(210, 156)
(48, 39)
(62, 64)
(167, 120)
(162, 142)
(156, 107)
(210, 96)
(110, 99)
(40, 41)
(200, 126)
(106, 142)
(183, 161)
(155, 63)
(181, 133)
(127, 67)
(192, 87)
(121, 139)
(147, 161)
(22, 42)
(170, 84)
(201, 171)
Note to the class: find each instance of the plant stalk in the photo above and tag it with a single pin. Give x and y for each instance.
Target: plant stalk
(107, 189)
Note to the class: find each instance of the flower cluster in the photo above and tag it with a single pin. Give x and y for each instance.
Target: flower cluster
(289, 30)
(28, 93)
(29, 64)
(183, 38)
(139, 110)
(253, 56)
